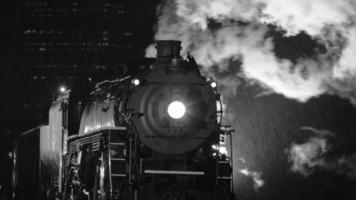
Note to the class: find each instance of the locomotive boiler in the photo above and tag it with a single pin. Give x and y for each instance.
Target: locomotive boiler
(152, 135)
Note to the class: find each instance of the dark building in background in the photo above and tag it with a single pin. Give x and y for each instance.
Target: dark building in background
(85, 36)
(76, 43)
(48, 43)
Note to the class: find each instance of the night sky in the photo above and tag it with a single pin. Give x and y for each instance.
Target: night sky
(266, 124)
(266, 127)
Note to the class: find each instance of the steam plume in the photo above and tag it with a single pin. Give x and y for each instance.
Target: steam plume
(317, 153)
(217, 32)
(256, 177)
(258, 182)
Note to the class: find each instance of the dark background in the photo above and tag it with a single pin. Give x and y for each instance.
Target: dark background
(45, 44)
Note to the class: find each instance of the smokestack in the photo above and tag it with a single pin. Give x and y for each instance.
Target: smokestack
(168, 48)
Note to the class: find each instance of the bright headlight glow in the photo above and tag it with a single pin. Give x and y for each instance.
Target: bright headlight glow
(176, 109)
(62, 89)
(213, 84)
(136, 81)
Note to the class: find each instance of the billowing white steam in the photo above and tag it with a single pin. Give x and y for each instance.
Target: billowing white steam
(305, 157)
(309, 16)
(316, 154)
(218, 31)
(258, 182)
(256, 177)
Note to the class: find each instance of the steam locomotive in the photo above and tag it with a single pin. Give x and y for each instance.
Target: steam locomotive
(153, 135)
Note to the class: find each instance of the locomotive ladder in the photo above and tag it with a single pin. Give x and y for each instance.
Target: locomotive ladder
(118, 159)
(226, 165)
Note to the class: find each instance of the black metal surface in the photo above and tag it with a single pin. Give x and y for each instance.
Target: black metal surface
(157, 129)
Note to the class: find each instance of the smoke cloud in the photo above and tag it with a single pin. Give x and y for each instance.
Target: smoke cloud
(256, 177)
(318, 152)
(219, 32)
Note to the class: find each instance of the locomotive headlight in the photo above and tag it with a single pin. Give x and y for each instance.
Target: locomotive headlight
(176, 109)
(62, 89)
(213, 84)
(136, 81)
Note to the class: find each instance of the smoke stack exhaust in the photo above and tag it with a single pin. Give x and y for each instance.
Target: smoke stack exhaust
(168, 49)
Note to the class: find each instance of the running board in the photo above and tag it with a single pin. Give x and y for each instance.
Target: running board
(198, 173)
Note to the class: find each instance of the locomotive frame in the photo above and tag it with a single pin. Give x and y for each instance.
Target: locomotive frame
(128, 147)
